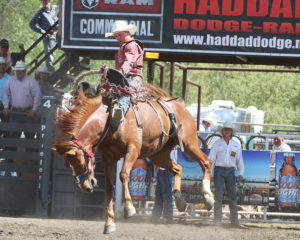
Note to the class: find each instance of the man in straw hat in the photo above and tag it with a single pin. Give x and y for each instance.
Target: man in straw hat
(47, 89)
(226, 155)
(22, 94)
(129, 61)
(208, 121)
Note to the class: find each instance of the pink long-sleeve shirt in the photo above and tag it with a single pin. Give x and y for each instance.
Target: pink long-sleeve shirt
(129, 54)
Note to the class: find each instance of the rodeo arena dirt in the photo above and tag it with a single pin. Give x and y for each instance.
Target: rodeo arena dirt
(138, 228)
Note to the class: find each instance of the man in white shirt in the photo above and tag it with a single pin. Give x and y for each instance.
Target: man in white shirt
(205, 126)
(226, 155)
(280, 145)
(208, 121)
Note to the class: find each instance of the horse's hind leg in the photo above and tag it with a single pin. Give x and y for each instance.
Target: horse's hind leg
(129, 160)
(192, 149)
(163, 160)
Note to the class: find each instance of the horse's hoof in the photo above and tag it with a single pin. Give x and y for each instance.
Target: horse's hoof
(179, 201)
(109, 229)
(129, 213)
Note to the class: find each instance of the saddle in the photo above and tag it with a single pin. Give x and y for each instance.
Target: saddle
(117, 83)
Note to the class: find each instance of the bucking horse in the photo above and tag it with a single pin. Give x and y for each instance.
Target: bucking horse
(153, 126)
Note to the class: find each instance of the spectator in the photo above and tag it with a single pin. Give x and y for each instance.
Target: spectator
(3, 78)
(163, 205)
(46, 88)
(22, 94)
(10, 57)
(129, 61)
(226, 155)
(42, 21)
(208, 121)
(280, 145)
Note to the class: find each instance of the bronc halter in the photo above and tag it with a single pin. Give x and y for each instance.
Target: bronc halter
(90, 155)
(91, 162)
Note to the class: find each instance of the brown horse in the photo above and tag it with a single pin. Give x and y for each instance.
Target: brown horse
(88, 126)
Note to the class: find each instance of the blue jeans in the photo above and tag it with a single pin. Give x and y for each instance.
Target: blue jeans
(49, 44)
(163, 205)
(225, 176)
(124, 102)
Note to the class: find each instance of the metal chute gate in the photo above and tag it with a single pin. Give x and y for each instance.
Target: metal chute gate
(34, 180)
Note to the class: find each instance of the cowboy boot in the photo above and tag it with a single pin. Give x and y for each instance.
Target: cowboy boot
(116, 116)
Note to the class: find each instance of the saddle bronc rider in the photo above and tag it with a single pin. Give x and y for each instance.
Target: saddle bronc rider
(129, 61)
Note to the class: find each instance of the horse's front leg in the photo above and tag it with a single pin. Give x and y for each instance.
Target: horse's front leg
(130, 158)
(109, 169)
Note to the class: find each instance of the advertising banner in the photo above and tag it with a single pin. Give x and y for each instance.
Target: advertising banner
(254, 190)
(287, 178)
(227, 27)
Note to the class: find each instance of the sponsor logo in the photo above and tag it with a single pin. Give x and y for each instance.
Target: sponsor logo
(90, 4)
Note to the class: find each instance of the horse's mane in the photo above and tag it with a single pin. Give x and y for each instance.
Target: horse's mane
(157, 92)
(70, 122)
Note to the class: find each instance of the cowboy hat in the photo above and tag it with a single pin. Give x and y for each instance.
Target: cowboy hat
(227, 125)
(2, 60)
(121, 26)
(20, 65)
(43, 69)
(210, 118)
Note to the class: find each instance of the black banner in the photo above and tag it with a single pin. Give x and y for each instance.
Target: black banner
(245, 27)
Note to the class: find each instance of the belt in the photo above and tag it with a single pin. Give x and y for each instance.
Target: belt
(21, 109)
(224, 167)
(160, 172)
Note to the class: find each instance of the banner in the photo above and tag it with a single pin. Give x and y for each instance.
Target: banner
(230, 27)
(287, 179)
(254, 190)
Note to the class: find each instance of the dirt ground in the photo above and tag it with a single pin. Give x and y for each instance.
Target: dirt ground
(138, 228)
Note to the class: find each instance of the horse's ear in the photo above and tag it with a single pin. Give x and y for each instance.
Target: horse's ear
(59, 149)
(72, 152)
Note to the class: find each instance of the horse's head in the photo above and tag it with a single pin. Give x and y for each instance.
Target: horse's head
(81, 161)
(85, 123)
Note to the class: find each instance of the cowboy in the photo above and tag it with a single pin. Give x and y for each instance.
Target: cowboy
(10, 57)
(208, 121)
(129, 61)
(47, 89)
(226, 155)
